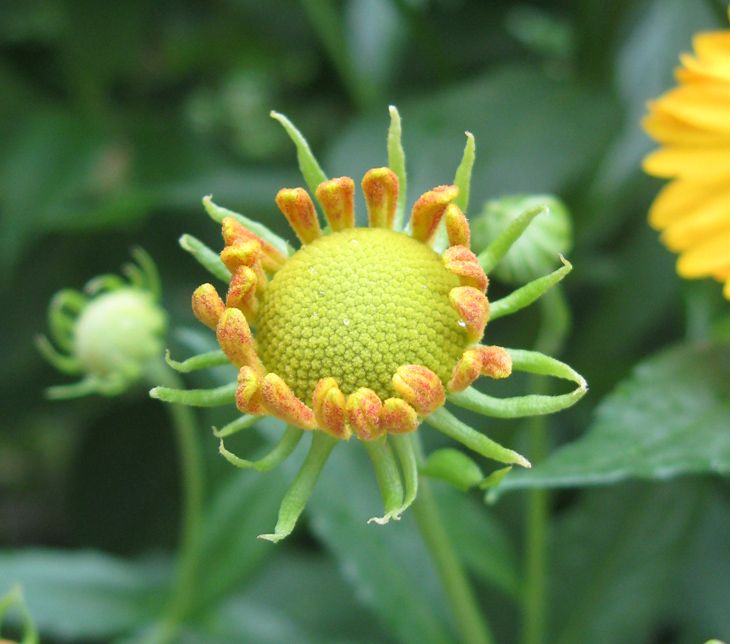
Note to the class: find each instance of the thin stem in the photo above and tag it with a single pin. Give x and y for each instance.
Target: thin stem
(470, 622)
(192, 486)
(553, 331)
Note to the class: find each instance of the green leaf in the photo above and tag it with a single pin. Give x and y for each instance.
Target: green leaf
(616, 580)
(243, 509)
(85, 595)
(668, 419)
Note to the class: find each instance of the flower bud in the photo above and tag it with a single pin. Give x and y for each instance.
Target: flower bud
(536, 252)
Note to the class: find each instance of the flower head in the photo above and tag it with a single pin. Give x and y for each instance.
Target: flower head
(108, 333)
(362, 332)
(692, 123)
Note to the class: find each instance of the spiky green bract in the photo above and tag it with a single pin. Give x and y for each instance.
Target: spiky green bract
(497, 249)
(206, 257)
(528, 293)
(397, 163)
(386, 471)
(448, 424)
(223, 395)
(276, 457)
(301, 489)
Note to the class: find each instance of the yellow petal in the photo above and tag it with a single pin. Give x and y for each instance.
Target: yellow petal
(670, 130)
(681, 198)
(693, 163)
(704, 105)
(708, 220)
(709, 256)
(726, 290)
(713, 46)
(698, 71)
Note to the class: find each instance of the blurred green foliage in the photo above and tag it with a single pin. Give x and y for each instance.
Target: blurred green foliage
(116, 118)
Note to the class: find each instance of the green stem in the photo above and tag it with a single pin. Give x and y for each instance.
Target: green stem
(470, 622)
(553, 331)
(192, 485)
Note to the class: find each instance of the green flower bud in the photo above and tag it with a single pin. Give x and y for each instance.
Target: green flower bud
(537, 250)
(109, 334)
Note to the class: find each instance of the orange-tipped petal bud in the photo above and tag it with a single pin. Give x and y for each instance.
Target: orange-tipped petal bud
(457, 227)
(380, 186)
(398, 417)
(363, 413)
(242, 292)
(207, 305)
(460, 260)
(329, 409)
(234, 232)
(248, 393)
(236, 340)
(297, 206)
(244, 252)
(494, 362)
(420, 387)
(281, 402)
(337, 197)
(466, 371)
(473, 308)
(428, 211)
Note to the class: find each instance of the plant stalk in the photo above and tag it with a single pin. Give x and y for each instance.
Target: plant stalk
(468, 616)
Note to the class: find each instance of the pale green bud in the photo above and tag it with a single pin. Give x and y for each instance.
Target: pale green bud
(538, 249)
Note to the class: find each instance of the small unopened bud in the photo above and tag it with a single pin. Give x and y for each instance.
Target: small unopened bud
(297, 206)
(537, 251)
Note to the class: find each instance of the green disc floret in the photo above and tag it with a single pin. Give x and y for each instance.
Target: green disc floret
(356, 305)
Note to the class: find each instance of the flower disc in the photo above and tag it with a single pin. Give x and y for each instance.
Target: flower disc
(356, 305)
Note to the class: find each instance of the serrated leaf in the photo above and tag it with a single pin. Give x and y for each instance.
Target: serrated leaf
(671, 417)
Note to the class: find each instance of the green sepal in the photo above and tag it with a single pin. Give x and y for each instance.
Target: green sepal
(65, 363)
(462, 180)
(238, 425)
(301, 488)
(311, 171)
(101, 283)
(62, 312)
(527, 294)
(454, 467)
(542, 365)
(224, 395)
(517, 407)
(389, 481)
(201, 361)
(110, 387)
(217, 213)
(150, 275)
(406, 452)
(491, 255)
(206, 257)
(452, 427)
(397, 164)
(286, 445)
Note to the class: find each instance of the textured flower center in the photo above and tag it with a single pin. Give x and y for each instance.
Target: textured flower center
(356, 305)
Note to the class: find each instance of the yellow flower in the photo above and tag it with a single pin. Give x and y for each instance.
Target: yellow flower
(692, 121)
(363, 332)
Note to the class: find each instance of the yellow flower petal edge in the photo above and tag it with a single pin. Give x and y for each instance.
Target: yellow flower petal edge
(692, 123)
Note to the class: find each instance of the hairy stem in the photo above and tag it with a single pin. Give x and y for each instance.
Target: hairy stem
(468, 617)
